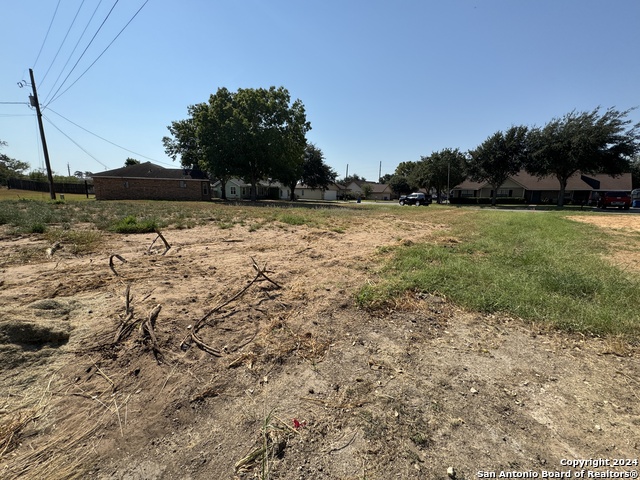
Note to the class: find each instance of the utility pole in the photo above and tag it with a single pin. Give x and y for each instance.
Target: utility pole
(35, 103)
(380, 171)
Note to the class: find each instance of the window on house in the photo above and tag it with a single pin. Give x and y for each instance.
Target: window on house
(126, 184)
(467, 193)
(205, 189)
(232, 190)
(183, 184)
(504, 192)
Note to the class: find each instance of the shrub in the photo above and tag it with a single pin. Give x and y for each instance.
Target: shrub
(130, 224)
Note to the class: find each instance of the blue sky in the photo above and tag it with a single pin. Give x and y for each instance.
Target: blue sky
(382, 81)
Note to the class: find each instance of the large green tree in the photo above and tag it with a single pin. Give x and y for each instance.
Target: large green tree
(587, 142)
(10, 167)
(501, 155)
(252, 134)
(440, 170)
(399, 184)
(268, 133)
(313, 172)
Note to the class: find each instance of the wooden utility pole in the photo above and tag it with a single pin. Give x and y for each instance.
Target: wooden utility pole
(36, 103)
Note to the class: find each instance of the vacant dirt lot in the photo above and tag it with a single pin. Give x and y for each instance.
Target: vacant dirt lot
(284, 377)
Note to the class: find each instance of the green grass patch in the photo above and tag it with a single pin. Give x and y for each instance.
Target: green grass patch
(131, 224)
(540, 267)
(293, 218)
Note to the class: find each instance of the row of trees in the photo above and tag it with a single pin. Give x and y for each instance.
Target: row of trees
(588, 142)
(253, 134)
(10, 167)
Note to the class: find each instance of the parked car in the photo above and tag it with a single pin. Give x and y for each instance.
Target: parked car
(615, 199)
(416, 199)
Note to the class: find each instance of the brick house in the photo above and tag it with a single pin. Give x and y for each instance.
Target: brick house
(147, 181)
(580, 188)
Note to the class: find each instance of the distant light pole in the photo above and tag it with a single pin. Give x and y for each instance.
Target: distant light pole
(448, 177)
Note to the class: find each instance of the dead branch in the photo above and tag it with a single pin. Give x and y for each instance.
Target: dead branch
(193, 335)
(127, 300)
(148, 328)
(203, 346)
(166, 244)
(127, 325)
(111, 262)
(261, 272)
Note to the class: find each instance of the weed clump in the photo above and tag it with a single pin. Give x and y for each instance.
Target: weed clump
(130, 224)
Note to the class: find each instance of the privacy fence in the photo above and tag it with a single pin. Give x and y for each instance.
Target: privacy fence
(82, 188)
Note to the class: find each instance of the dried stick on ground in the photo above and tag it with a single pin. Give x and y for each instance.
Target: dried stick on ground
(148, 328)
(166, 244)
(127, 325)
(261, 272)
(193, 335)
(111, 262)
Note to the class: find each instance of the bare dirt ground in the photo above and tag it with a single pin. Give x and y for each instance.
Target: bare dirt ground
(291, 380)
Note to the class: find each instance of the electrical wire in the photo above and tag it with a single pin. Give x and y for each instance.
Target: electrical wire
(108, 141)
(84, 51)
(74, 50)
(62, 44)
(107, 48)
(73, 141)
(47, 35)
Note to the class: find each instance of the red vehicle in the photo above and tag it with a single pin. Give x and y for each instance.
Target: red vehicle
(615, 199)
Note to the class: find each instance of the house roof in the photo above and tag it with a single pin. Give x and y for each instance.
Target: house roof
(151, 170)
(331, 186)
(378, 187)
(578, 181)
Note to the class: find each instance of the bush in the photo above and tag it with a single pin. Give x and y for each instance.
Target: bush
(487, 201)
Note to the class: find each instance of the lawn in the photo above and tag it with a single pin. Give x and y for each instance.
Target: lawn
(540, 266)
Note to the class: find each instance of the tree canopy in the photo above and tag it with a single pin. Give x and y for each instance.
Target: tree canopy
(444, 169)
(252, 134)
(10, 167)
(352, 178)
(501, 155)
(587, 142)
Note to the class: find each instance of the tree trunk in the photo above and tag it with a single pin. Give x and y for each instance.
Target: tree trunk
(563, 187)
(292, 193)
(223, 184)
(494, 195)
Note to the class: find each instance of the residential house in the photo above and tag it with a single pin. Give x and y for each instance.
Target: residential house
(580, 188)
(304, 192)
(147, 181)
(378, 191)
(237, 189)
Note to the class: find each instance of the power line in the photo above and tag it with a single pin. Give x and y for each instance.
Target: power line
(14, 103)
(108, 141)
(47, 35)
(73, 141)
(84, 51)
(74, 50)
(107, 48)
(62, 44)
